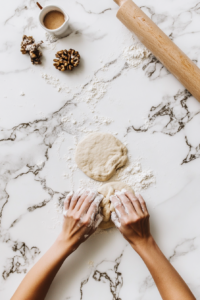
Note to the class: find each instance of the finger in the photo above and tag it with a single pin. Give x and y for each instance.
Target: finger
(87, 202)
(75, 198)
(81, 199)
(119, 208)
(135, 202)
(98, 220)
(67, 203)
(115, 219)
(93, 210)
(128, 206)
(142, 203)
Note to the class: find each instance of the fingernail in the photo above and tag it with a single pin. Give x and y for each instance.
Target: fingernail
(118, 213)
(122, 192)
(115, 219)
(99, 219)
(68, 196)
(94, 195)
(79, 190)
(137, 195)
(98, 198)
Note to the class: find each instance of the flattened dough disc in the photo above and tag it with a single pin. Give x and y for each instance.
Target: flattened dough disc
(99, 155)
(107, 190)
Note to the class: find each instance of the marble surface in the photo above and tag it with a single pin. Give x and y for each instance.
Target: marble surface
(146, 107)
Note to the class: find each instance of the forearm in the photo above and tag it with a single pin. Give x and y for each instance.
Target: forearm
(168, 281)
(38, 280)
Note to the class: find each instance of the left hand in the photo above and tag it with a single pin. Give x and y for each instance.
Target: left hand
(81, 217)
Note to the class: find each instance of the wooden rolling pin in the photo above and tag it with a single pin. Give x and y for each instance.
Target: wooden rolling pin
(160, 45)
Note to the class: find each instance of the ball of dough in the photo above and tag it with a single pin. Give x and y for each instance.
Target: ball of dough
(99, 155)
(107, 190)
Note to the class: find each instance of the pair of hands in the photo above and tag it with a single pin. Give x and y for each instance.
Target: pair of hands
(82, 217)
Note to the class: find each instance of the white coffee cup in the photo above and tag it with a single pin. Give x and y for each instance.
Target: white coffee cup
(58, 31)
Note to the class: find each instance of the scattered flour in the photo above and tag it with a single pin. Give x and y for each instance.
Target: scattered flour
(90, 263)
(147, 124)
(135, 54)
(50, 41)
(90, 183)
(132, 175)
(135, 177)
(102, 120)
(55, 82)
(93, 91)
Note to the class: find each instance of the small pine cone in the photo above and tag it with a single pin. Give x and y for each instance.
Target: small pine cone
(66, 60)
(29, 46)
(26, 40)
(35, 56)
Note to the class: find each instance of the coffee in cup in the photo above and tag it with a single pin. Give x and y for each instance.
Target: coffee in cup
(54, 19)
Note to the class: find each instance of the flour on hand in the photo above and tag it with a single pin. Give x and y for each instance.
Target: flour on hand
(115, 219)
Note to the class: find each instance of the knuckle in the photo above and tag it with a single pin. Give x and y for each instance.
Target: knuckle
(69, 214)
(118, 206)
(76, 217)
(123, 222)
(137, 219)
(135, 202)
(127, 221)
(86, 222)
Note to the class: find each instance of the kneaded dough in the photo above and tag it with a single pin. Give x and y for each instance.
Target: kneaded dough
(107, 190)
(99, 155)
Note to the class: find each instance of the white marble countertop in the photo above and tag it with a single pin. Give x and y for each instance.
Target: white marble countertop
(146, 107)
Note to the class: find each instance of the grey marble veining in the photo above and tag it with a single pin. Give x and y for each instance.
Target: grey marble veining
(146, 107)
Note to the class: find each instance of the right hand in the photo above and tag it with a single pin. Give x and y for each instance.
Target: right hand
(131, 217)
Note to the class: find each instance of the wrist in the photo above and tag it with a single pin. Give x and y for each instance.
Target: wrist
(144, 246)
(65, 245)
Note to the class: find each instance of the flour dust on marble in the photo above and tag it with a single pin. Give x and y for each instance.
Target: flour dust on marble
(95, 89)
(50, 42)
(135, 54)
(134, 176)
(55, 82)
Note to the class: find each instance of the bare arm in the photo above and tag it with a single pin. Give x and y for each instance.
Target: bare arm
(80, 221)
(133, 223)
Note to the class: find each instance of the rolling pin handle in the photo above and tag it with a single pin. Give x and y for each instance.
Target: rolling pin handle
(119, 2)
(168, 53)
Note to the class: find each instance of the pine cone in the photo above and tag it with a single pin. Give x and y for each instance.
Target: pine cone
(35, 53)
(35, 56)
(26, 40)
(66, 60)
(29, 46)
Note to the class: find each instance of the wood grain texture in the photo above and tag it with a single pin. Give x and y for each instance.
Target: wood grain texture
(160, 45)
